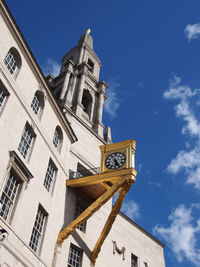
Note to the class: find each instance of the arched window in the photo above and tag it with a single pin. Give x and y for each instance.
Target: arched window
(26, 141)
(37, 103)
(58, 138)
(91, 64)
(13, 61)
(87, 102)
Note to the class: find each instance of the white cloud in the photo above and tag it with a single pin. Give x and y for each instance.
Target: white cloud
(139, 168)
(182, 234)
(183, 160)
(192, 31)
(113, 102)
(187, 161)
(153, 183)
(52, 67)
(131, 209)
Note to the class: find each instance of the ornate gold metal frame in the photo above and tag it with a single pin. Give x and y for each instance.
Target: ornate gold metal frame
(114, 181)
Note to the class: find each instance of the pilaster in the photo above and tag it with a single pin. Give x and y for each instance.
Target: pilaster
(65, 86)
(78, 107)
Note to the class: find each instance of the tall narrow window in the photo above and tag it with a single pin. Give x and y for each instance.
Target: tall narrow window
(26, 140)
(134, 261)
(57, 138)
(91, 64)
(83, 201)
(50, 175)
(38, 230)
(79, 208)
(12, 61)
(75, 256)
(9, 194)
(37, 103)
(87, 102)
(3, 95)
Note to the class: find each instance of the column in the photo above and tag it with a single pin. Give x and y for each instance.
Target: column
(65, 85)
(98, 126)
(71, 91)
(100, 106)
(78, 108)
(80, 89)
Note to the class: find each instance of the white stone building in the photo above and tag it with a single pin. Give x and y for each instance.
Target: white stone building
(51, 129)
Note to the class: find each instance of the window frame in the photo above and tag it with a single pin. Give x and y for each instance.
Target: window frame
(24, 147)
(72, 246)
(22, 174)
(37, 247)
(40, 99)
(58, 138)
(13, 56)
(134, 258)
(50, 185)
(80, 206)
(4, 98)
(9, 195)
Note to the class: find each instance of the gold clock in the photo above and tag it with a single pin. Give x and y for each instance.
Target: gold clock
(118, 156)
(115, 160)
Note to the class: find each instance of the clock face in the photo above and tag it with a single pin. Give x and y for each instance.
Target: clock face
(115, 160)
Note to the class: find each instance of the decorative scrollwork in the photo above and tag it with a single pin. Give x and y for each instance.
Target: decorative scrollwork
(119, 251)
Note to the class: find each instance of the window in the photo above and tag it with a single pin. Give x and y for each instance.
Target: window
(3, 95)
(91, 64)
(57, 138)
(38, 230)
(83, 201)
(79, 208)
(12, 61)
(50, 175)
(75, 256)
(87, 102)
(18, 174)
(26, 140)
(134, 261)
(37, 103)
(9, 194)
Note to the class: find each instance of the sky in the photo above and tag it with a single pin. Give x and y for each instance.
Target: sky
(150, 54)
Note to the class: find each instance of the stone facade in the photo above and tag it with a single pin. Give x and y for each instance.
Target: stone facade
(50, 129)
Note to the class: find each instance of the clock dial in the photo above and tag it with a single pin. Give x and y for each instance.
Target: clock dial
(115, 160)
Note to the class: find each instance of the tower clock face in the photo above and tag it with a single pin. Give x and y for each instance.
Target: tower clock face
(115, 160)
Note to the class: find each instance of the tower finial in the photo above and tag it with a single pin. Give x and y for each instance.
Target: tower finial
(88, 31)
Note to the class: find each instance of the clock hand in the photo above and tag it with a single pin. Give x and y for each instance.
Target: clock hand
(116, 161)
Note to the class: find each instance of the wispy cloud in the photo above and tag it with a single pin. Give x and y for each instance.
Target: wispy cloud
(131, 209)
(139, 168)
(51, 67)
(153, 183)
(192, 31)
(182, 234)
(113, 102)
(186, 109)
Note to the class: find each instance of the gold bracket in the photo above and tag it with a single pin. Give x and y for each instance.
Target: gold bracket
(121, 180)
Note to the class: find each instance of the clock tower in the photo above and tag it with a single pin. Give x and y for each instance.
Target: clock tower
(78, 87)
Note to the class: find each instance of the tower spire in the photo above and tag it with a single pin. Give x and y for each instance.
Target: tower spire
(79, 85)
(88, 31)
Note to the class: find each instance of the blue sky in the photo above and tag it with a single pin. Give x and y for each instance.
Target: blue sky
(150, 52)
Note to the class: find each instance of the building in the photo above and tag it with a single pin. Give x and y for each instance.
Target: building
(51, 129)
